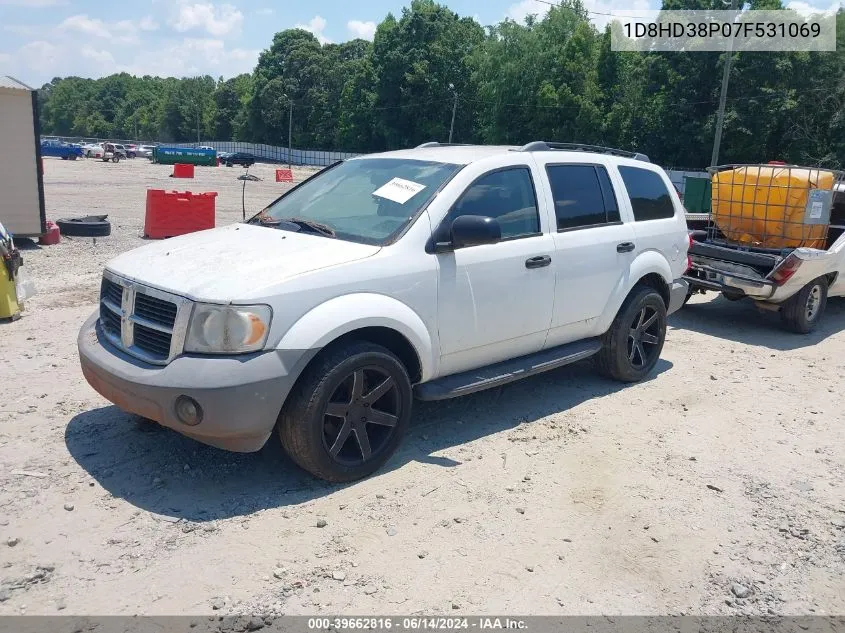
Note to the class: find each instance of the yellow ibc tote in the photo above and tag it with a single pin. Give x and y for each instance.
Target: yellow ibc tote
(764, 205)
(9, 308)
(10, 260)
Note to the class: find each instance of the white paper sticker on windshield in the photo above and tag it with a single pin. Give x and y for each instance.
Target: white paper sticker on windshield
(399, 190)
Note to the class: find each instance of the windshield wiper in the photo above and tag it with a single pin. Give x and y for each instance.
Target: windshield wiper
(299, 224)
(317, 227)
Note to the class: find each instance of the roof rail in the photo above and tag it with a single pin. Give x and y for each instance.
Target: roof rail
(437, 144)
(545, 146)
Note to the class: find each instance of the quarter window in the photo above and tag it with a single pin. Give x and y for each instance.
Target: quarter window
(583, 196)
(650, 198)
(507, 195)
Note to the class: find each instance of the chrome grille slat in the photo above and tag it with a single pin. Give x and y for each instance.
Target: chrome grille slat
(155, 310)
(152, 340)
(144, 322)
(111, 291)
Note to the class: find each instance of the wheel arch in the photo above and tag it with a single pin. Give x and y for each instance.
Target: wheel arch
(377, 318)
(649, 269)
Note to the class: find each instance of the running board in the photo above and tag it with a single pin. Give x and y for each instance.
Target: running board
(507, 371)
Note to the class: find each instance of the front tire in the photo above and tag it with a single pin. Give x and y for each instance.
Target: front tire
(631, 347)
(347, 413)
(802, 312)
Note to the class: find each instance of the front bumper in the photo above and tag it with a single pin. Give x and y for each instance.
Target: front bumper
(241, 396)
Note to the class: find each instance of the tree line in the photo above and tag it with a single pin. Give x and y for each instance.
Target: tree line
(550, 78)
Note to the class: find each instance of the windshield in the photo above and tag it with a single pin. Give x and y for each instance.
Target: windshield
(366, 200)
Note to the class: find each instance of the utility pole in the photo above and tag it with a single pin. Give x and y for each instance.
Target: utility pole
(723, 96)
(454, 110)
(290, 136)
(198, 123)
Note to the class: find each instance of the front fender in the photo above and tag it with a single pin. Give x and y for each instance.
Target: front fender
(341, 315)
(646, 263)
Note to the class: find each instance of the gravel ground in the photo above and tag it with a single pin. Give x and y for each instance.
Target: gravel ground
(715, 487)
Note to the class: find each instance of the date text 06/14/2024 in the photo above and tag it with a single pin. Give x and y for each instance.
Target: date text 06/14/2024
(419, 623)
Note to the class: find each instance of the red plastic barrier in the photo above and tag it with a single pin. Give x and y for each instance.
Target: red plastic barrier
(183, 170)
(171, 213)
(52, 236)
(284, 175)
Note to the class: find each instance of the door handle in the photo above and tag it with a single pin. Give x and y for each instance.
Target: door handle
(625, 247)
(538, 262)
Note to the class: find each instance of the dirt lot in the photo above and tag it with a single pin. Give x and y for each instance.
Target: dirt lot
(722, 476)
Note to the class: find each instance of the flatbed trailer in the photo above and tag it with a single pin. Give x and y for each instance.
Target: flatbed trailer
(793, 281)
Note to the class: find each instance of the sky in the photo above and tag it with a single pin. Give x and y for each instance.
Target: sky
(43, 39)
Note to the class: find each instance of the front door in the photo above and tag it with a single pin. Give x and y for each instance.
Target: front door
(495, 300)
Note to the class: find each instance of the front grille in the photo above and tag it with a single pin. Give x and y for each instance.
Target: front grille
(110, 321)
(155, 310)
(111, 291)
(146, 328)
(155, 343)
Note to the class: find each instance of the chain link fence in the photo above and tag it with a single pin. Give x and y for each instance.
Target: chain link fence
(262, 152)
(317, 158)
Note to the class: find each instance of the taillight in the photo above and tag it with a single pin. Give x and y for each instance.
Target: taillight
(786, 270)
(689, 247)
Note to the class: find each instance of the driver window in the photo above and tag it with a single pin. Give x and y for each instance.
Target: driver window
(507, 195)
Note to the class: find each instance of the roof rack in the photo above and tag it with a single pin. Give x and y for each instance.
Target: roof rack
(545, 146)
(437, 144)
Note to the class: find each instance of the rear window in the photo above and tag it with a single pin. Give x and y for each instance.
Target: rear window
(583, 196)
(650, 198)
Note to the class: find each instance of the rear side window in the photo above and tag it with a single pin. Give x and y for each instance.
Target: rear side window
(649, 196)
(583, 196)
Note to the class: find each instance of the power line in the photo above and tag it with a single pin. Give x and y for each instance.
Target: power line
(615, 15)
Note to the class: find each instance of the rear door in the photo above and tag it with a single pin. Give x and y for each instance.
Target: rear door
(593, 245)
(659, 224)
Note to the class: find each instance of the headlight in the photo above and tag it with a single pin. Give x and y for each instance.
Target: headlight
(228, 329)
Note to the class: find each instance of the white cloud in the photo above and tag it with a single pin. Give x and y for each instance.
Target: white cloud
(193, 56)
(102, 57)
(806, 9)
(83, 24)
(365, 30)
(316, 25)
(40, 56)
(148, 24)
(33, 4)
(122, 31)
(215, 20)
(521, 10)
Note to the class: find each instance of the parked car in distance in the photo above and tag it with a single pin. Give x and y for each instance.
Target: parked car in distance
(432, 272)
(93, 150)
(145, 151)
(113, 152)
(206, 147)
(239, 158)
(59, 149)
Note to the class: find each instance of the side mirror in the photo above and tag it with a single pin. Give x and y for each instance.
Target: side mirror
(473, 230)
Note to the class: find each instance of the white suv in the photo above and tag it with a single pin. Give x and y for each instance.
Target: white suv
(432, 272)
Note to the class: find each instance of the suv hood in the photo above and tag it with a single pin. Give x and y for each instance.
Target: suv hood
(233, 263)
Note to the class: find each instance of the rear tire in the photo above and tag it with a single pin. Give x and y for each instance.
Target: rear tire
(347, 413)
(802, 312)
(631, 347)
(115, 159)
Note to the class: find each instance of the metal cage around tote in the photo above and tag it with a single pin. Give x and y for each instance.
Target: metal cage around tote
(775, 207)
